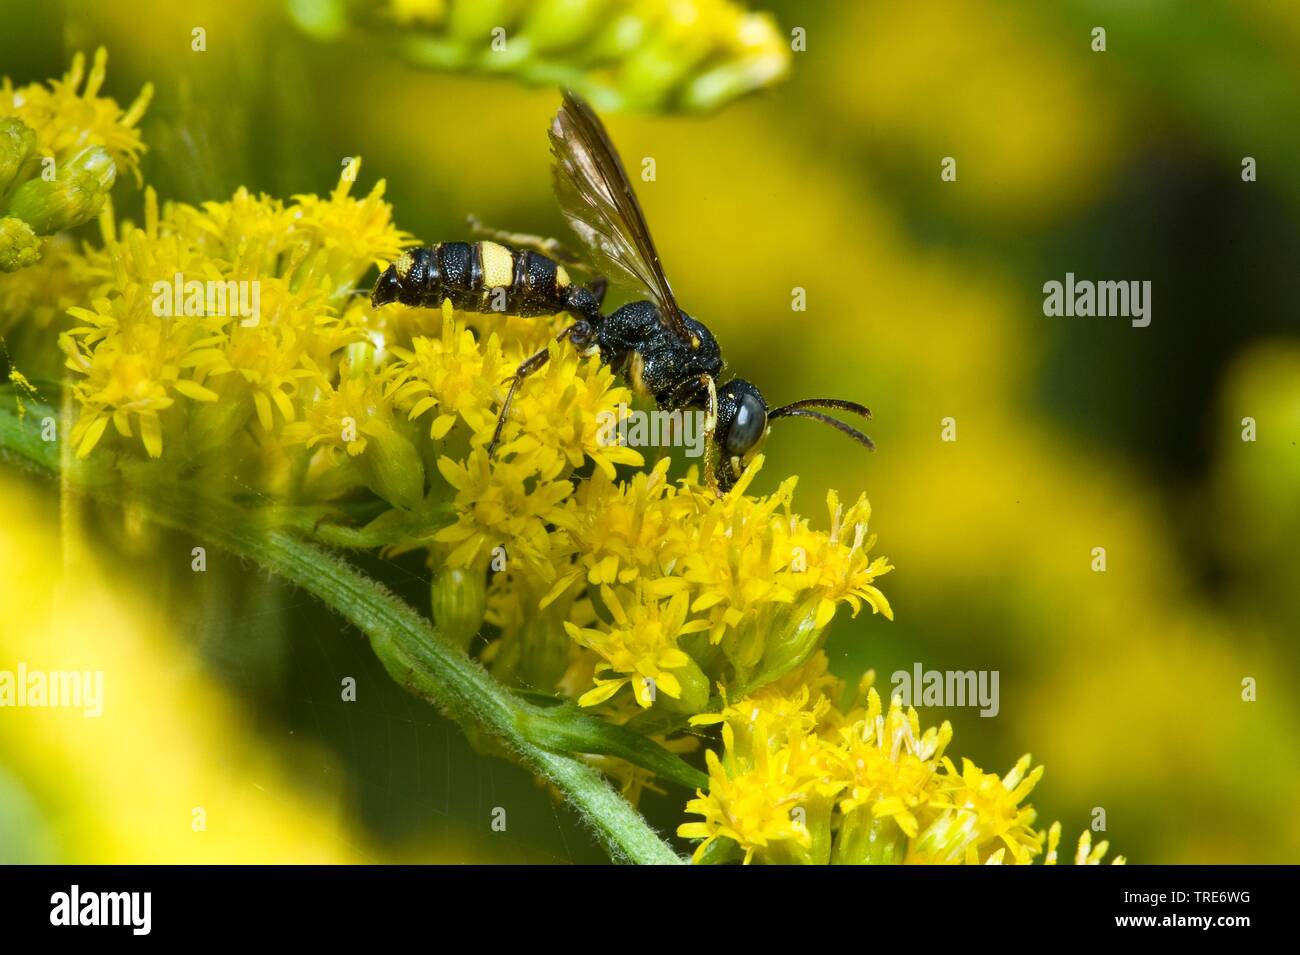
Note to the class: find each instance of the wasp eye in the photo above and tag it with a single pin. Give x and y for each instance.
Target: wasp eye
(387, 288)
(747, 427)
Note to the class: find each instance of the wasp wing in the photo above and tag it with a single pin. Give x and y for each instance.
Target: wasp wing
(596, 198)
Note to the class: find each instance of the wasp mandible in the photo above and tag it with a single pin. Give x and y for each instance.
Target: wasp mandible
(660, 350)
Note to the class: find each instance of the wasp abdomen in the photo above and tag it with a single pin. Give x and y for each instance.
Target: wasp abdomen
(477, 277)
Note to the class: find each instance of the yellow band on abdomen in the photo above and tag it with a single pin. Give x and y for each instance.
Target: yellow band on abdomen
(498, 265)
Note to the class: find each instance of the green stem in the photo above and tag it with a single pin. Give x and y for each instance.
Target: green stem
(405, 642)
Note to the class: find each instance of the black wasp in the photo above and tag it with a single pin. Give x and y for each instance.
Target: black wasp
(660, 350)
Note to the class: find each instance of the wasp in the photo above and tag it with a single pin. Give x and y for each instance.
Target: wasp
(661, 351)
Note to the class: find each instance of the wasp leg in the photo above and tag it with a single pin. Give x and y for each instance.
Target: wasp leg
(580, 334)
(710, 426)
(674, 399)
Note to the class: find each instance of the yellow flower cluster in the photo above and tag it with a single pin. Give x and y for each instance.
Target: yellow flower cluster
(61, 146)
(243, 301)
(67, 116)
(231, 341)
(800, 781)
(659, 587)
(662, 588)
(741, 583)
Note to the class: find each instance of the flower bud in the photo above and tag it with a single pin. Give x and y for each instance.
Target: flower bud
(717, 86)
(363, 357)
(793, 637)
(74, 196)
(544, 650)
(19, 246)
(694, 697)
(867, 839)
(458, 600)
(813, 817)
(17, 146)
(212, 424)
(392, 465)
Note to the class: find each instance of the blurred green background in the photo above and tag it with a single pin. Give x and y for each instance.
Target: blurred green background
(924, 301)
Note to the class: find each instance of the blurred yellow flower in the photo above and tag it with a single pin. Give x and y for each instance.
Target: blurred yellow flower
(628, 54)
(68, 117)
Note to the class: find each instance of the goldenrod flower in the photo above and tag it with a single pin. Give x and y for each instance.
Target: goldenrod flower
(755, 808)
(233, 303)
(341, 416)
(640, 647)
(871, 787)
(506, 503)
(792, 707)
(68, 117)
(558, 416)
(838, 565)
(978, 811)
(891, 764)
(614, 531)
(454, 377)
(353, 234)
(60, 149)
(132, 362)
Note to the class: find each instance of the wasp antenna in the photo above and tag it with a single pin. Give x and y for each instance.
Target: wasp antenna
(838, 404)
(794, 411)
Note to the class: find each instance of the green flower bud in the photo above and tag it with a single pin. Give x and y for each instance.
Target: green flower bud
(17, 145)
(563, 24)
(792, 638)
(361, 358)
(694, 697)
(19, 246)
(74, 196)
(392, 465)
(620, 54)
(865, 839)
(721, 851)
(813, 816)
(458, 600)
(212, 424)
(543, 651)
(720, 85)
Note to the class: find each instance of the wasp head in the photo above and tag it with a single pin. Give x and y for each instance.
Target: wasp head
(742, 419)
